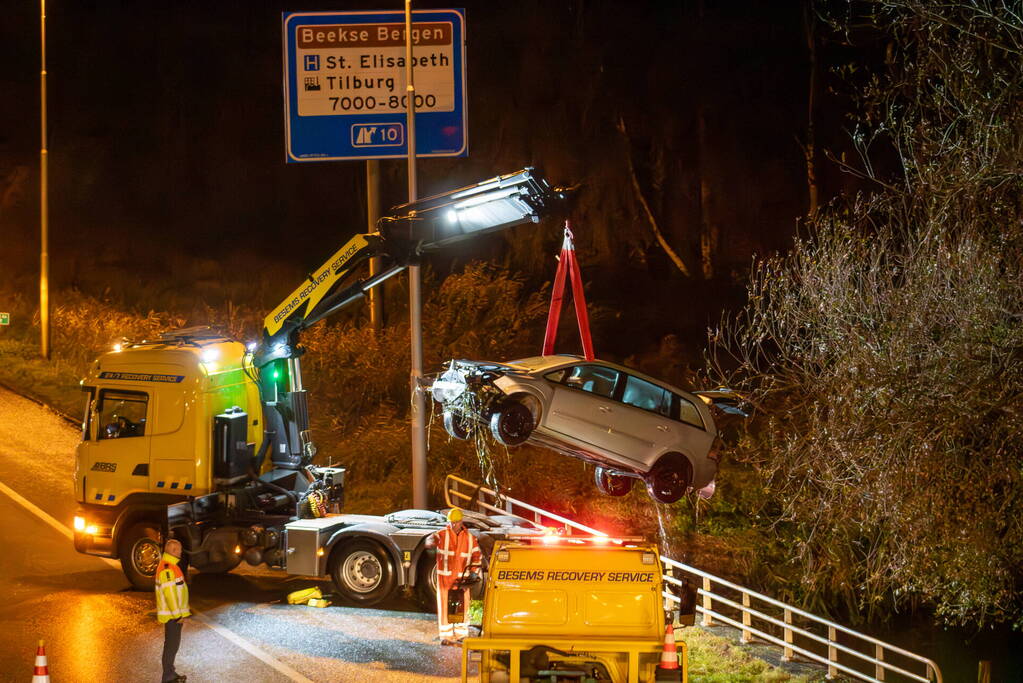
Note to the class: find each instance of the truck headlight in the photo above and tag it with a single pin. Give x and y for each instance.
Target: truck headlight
(79, 523)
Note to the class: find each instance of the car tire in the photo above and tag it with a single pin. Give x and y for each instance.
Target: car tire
(457, 426)
(611, 484)
(512, 424)
(363, 572)
(670, 478)
(426, 582)
(140, 549)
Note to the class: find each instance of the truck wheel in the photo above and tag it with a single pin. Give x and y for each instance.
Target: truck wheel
(611, 484)
(670, 478)
(512, 424)
(140, 549)
(426, 583)
(363, 572)
(457, 425)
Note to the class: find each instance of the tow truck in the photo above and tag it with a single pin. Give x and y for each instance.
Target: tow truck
(196, 435)
(575, 608)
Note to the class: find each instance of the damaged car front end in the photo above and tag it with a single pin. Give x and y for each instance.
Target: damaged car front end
(479, 393)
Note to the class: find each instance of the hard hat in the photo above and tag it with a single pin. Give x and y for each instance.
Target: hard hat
(455, 515)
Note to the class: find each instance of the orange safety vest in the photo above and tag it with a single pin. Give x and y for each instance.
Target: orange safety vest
(455, 552)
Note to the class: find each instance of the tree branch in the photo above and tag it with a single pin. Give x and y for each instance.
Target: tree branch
(672, 254)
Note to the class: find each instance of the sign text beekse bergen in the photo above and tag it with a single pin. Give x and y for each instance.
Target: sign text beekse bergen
(361, 68)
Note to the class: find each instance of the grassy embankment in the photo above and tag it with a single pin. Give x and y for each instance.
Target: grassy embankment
(358, 381)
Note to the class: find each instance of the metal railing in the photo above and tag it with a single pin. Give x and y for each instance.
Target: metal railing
(756, 616)
(466, 494)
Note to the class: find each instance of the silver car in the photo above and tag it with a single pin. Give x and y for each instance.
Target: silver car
(629, 425)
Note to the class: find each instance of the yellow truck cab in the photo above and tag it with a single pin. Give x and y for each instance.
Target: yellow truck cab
(560, 608)
(190, 435)
(146, 441)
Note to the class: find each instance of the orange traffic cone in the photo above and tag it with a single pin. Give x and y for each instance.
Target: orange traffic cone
(42, 671)
(668, 669)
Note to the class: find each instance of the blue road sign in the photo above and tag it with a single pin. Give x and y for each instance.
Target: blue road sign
(345, 91)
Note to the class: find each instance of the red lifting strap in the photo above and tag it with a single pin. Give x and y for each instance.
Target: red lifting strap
(568, 264)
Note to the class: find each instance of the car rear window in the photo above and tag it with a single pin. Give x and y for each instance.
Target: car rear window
(647, 396)
(656, 399)
(686, 411)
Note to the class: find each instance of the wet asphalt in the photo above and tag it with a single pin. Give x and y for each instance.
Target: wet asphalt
(97, 629)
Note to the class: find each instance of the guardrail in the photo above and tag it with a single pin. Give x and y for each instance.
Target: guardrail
(756, 616)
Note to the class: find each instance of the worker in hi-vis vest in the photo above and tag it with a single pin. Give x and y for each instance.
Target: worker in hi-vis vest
(458, 558)
(171, 606)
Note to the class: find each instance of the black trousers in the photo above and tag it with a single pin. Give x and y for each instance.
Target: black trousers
(171, 642)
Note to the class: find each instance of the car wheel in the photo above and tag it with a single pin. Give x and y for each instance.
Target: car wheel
(457, 426)
(512, 424)
(611, 484)
(426, 582)
(670, 478)
(140, 549)
(363, 572)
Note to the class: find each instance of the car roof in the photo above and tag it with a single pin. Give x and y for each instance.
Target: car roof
(538, 364)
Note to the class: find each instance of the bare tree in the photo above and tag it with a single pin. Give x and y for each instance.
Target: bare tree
(885, 351)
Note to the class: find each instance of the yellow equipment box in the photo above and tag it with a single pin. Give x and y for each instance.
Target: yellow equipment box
(558, 609)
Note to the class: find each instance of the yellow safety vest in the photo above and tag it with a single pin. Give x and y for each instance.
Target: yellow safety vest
(171, 590)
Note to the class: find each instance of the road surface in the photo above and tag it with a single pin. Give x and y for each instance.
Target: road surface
(96, 629)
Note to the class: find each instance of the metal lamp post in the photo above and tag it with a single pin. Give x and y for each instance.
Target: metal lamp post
(44, 214)
(419, 497)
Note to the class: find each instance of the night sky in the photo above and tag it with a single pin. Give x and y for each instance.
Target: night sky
(166, 136)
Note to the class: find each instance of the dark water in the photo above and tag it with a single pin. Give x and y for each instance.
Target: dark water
(958, 651)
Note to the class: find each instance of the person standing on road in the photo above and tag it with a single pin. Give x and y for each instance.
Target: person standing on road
(171, 606)
(458, 555)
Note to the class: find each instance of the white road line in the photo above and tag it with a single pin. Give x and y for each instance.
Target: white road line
(253, 650)
(37, 511)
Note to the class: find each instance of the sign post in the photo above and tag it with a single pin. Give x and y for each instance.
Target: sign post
(378, 85)
(5, 318)
(345, 85)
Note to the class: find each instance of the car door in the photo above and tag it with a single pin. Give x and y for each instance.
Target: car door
(581, 407)
(653, 420)
(641, 428)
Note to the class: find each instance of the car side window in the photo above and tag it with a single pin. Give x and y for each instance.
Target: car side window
(686, 411)
(646, 395)
(593, 379)
(122, 414)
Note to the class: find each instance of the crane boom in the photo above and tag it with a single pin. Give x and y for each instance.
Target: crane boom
(405, 232)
